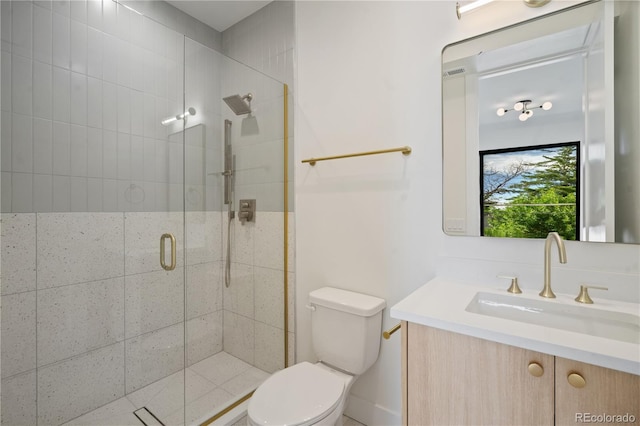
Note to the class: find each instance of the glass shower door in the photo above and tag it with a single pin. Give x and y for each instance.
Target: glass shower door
(93, 319)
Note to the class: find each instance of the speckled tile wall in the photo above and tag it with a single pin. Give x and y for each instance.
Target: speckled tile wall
(86, 290)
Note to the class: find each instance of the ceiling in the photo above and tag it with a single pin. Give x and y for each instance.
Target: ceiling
(219, 14)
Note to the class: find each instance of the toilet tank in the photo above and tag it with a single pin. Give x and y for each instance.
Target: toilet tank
(346, 328)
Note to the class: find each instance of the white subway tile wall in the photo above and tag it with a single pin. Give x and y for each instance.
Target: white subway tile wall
(85, 85)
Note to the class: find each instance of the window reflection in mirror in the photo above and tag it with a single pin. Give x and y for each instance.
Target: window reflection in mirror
(527, 192)
(548, 81)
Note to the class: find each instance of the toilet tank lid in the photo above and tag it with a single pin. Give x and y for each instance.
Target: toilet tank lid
(347, 301)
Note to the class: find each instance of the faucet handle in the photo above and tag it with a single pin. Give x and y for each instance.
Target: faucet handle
(514, 288)
(583, 297)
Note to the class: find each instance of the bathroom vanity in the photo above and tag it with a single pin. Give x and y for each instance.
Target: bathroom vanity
(462, 365)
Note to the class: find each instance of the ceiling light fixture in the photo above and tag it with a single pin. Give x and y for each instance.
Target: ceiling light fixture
(526, 111)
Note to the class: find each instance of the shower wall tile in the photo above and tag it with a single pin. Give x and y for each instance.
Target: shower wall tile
(22, 85)
(79, 247)
(7, 181)
(94, 49)
(6, 80)
(268, 234)
(61, 149)
(79, 10)
(22, 143)
(78, 194)
(62, 7)
(42, 90)
(154, 300)
(22, 192)
(21, 34)
(109, 154)
(78, 151)
(79, 318)
(18, 333)
(204, 289)
(19, 399)
(5, 35)
(5, 138)
(94, 102)
(239, 334)
(109, 106)
(78, 106)
(239, 296)
(42, 193)
(204, 337)
(94, 14)
(18, 253)
(244, 241)
(203, 237)
(143, 232)
(94, 197)
(61, 194)
(269, 350)
(78, 46)
(153, 356)
(61, 94)
(75, 386)
(61, 40)
(269, 296)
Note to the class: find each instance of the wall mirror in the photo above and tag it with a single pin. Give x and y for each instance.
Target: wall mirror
(541, 127)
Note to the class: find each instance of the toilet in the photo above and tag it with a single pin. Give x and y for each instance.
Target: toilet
(345, 330)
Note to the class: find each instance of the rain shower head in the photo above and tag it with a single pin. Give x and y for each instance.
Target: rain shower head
(238, 105)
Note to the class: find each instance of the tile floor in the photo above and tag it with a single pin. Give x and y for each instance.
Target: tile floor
(211, 384)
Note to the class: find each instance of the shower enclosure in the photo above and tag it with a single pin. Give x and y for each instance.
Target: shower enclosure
(115, 229)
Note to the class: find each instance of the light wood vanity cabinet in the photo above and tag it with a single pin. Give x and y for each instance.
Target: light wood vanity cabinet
(450, 378)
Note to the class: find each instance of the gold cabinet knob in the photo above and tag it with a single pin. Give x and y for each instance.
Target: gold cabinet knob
(535, 369)
(576, 380)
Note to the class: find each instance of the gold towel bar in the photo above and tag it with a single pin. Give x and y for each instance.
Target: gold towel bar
(387, 334)
(406, 150)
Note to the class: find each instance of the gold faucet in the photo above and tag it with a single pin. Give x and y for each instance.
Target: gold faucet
(552, 236)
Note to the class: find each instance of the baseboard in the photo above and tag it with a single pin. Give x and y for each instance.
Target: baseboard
(371, 414)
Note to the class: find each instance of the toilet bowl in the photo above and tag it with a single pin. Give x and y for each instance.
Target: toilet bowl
(345, 331)
(301, 395)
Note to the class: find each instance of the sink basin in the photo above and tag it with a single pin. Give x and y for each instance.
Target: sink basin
(619, 326)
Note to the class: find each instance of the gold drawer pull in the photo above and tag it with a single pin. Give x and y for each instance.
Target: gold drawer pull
(576, 380)
(535, 369)
(172, 266)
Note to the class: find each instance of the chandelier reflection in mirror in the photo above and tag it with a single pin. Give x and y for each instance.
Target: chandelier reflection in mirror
(525, 109)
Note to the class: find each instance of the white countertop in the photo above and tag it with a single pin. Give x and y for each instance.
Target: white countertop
(441, 303)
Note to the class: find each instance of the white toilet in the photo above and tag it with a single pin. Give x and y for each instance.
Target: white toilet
(345, 329)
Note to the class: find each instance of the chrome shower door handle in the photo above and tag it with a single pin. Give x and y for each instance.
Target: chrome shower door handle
(172, 265)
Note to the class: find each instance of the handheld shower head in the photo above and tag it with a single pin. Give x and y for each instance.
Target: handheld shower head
(238, 105)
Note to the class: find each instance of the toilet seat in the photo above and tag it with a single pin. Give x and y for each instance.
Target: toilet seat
(299, 395)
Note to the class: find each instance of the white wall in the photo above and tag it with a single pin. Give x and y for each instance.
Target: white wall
(368, 77)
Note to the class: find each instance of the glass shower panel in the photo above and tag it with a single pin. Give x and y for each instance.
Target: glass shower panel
(93, 321)
(235, 326)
